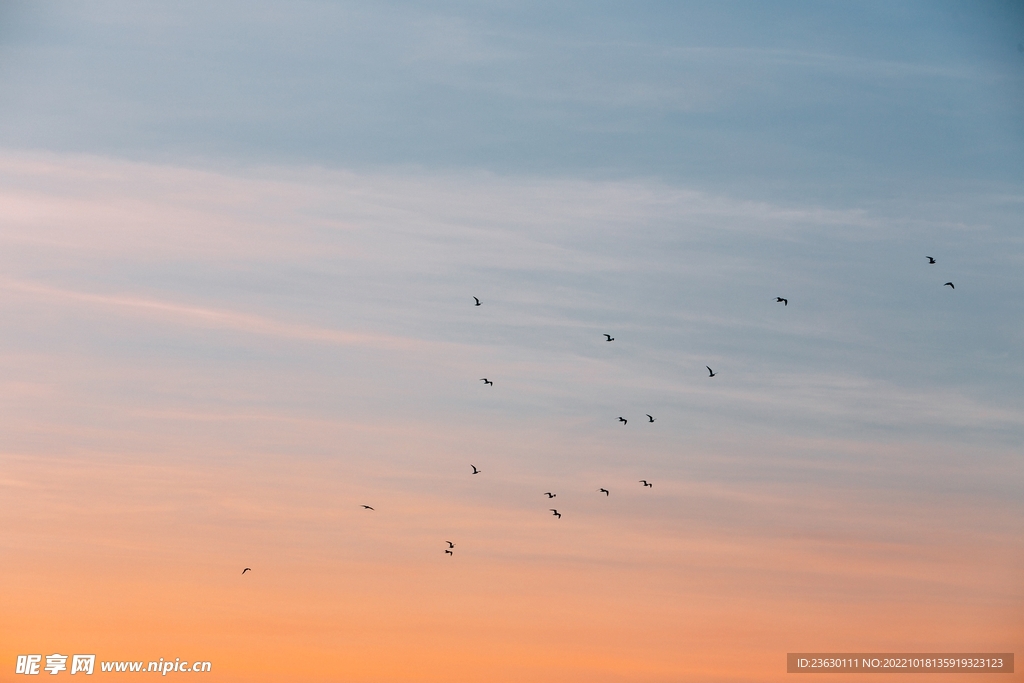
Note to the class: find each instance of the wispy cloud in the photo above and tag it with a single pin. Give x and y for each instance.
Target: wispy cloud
(174, 313)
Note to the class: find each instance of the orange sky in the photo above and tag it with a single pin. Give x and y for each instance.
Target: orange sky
(141, 561)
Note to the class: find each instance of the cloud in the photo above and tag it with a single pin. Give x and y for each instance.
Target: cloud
(173, 313)
(390, 260)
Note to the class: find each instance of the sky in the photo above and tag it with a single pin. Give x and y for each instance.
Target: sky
(239, 245)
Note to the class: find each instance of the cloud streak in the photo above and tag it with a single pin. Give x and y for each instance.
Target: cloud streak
(173, 313)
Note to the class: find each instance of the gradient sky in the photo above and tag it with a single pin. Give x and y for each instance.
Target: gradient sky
(239, 243)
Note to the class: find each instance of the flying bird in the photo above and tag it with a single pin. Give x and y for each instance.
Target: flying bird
(247, 569)
(650, 417)
(475, 470)
(931, 259)
(477, 301)
(644, 482)
(609, 337)
(713, 373)
(367, 507)
(486, 381)
(448, 551)
(604, 491)
(623, 420)
(780, 300)
(550, 495)
(450, 544)
(949, 284)
(556, 512)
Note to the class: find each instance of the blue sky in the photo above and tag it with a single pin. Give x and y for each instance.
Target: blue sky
(849, 101)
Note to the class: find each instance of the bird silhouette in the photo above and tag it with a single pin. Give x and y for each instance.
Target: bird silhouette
(486, 381)
(448, 551)
(477, 301)
(650, 417)
(623, 420)
(550, 495)
(556, 513)
(609, 337)
(367, 507)
(931, 260)
(644, 482)
(450, 544)
(713, 373)
(604, 491)
(949, 284)
(475, 470)
(780, 300)
(247, 569)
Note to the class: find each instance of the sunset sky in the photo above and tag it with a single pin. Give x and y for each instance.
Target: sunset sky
(239, 245)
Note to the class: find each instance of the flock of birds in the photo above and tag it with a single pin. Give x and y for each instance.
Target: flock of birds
(554, 511)
(450, 550)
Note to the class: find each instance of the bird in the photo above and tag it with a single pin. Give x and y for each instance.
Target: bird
(713, 373)
(949, 284)
(450, 544)
(644, 482)
(247, 569)
(649, 417)
(367, 507)
(931, 259)
(623, 420)
(477, 301)
(609, 337)
(780, 300)
(556, 512)
(550, 495)
(448, 551)
(604, 491)
(475, 470)
(486, 381)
